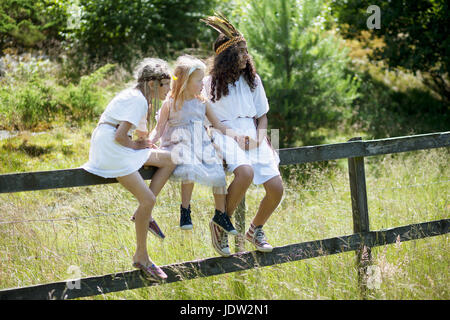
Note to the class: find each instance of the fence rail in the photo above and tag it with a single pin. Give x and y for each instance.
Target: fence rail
(31, 181)
(363, 238)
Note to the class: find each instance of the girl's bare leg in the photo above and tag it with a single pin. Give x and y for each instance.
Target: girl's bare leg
(162, 160)
(186, 194)
(274, 193)
(220, 200)
(137, 186)
(243, 177)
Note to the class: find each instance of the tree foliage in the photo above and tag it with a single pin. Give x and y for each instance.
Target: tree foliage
(415, 35)
(28, 24)
(304, 68)
(122, 30)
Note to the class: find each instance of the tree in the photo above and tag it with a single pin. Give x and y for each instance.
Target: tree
(415, 34)
(120, 31)
(303, 68)
(31, 24)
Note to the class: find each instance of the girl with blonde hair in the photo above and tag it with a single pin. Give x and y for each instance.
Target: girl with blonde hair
(181, 128)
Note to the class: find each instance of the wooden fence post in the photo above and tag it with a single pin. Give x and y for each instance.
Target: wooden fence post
(240, 226)
(240, 289)
(360, 211)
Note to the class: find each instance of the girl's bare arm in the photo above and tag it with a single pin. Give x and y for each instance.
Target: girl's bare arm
(161, 124)
(121, 136)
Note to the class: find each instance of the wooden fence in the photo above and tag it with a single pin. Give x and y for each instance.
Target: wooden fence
(361, 241)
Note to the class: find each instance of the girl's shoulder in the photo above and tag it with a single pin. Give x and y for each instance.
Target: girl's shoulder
(201, 99)
(130, 94)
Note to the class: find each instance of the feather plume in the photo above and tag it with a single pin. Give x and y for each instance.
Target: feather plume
(221, 24)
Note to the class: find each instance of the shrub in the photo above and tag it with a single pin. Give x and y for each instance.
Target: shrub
(31, 98)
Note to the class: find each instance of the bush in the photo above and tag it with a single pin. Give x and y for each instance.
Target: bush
(30, 98)
(122, 31)
(32, 24)
(85, 100)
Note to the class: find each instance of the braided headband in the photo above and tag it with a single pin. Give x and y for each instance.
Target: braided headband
(229, 43)
(155, 77)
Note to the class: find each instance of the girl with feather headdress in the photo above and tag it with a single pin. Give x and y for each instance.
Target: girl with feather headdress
(238, 99)
(180, 129)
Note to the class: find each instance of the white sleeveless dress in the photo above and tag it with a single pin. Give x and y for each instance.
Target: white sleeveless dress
(108, 158)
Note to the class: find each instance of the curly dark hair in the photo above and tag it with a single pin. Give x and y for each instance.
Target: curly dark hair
(225, 69)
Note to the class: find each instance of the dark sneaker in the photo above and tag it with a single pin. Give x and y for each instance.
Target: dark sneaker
(219, 240)
(256, 236)
(222, 220)
(185, 218)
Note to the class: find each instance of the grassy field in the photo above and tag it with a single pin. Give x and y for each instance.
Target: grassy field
(43, 233)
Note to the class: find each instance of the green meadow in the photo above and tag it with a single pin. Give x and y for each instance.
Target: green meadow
(44, 233)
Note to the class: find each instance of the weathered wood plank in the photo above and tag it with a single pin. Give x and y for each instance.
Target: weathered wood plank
(237, 262)
(368, 148)
(29, 181)
(41, 180)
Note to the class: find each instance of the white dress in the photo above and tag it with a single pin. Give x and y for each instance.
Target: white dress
(108, 158)
(185, 136)
(238, 110)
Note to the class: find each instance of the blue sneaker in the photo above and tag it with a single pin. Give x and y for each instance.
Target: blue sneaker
(222, 220)
(185, 218)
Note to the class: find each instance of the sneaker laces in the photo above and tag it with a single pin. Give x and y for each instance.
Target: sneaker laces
(227, 221)
(223, 240)
(259, 236)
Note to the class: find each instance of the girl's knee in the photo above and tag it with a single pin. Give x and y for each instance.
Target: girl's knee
(148, 202)
(244, 174)
(275, 190)
(168, 161)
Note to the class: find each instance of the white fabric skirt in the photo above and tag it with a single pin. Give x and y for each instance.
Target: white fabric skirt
(264, 159)
(109, 159)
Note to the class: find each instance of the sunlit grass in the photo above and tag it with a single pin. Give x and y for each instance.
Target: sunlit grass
(42, 233)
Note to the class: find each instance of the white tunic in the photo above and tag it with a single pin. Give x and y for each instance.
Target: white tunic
(238, 110)
(108, 158)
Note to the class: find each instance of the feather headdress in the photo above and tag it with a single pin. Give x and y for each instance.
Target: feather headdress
(221, 24)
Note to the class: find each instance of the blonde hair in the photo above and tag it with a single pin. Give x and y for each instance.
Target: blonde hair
(184, 67)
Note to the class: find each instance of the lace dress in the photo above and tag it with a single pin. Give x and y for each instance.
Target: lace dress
(185, 136)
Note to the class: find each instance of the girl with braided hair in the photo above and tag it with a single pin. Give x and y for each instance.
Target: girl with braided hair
(114, 154)
(238, 99)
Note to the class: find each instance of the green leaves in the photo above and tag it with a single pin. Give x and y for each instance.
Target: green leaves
(303, 67)
(415, 35)
(29, 23)
(124, 30)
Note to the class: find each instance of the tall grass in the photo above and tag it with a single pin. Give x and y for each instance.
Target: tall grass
(43, 233)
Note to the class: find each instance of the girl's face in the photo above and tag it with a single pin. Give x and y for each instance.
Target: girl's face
(163, 88)
(195, 83)
(242, 55)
